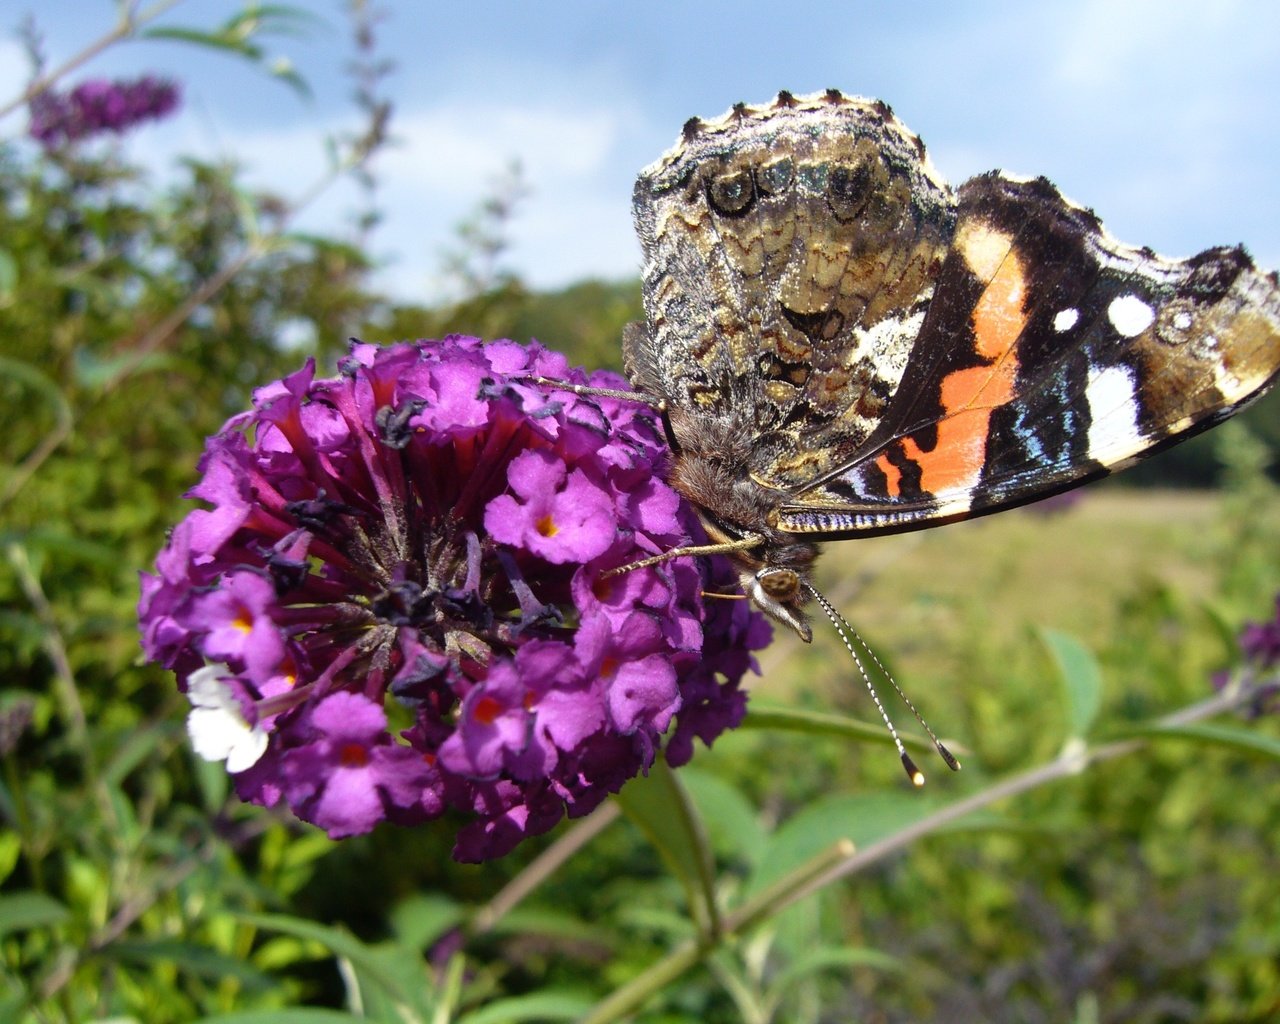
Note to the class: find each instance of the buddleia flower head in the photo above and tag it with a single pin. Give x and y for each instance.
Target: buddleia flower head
(396, 600)
(100, 106)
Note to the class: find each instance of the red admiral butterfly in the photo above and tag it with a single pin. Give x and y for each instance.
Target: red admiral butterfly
(843, 345)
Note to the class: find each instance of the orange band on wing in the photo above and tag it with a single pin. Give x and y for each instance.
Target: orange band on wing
(892, 476)
(968, 396)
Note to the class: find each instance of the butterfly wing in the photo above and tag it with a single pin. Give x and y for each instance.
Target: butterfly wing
(790, 252)
(855, 348)
(1050, 354)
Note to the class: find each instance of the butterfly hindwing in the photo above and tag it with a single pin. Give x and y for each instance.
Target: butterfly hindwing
(789, 255)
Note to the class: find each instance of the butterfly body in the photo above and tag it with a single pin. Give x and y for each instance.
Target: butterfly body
(844, 345)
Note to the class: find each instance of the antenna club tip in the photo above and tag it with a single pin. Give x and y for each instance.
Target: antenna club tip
(949, 758)
(913, 773)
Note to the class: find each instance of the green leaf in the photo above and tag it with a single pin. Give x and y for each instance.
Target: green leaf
(58, 542)
(373, 964)
(8, 277)
(300, 1015)
(14, 1001)
(35, 380)
(422, 919)
(823, 723)
(213, 780)
(10, 844)
(732, 821)
(1080, 677)
(552, 923)
(539, 1006)
(861, 818)
(196, 959)
(94, 370)
(274, 19)
(23, 910)
(812, 838)
(141, 743)
(659, 806)
(219, 40)
(831, 959)
(1226, 628)
(242, 33)
(1250, 741)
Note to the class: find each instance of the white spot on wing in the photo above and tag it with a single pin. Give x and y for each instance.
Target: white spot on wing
(1129, 315)
(1113, 412)
(1065, 320)
(983, 248)
(887, 343)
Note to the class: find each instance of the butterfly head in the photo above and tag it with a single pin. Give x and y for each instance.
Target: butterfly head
(778, 592)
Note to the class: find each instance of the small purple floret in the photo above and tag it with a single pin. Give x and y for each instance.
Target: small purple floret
(423, 540)
(1260, 647)
(99, 106)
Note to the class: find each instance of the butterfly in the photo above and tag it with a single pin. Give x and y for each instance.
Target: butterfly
(842, 345)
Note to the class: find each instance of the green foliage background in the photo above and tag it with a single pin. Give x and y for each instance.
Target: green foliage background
(134, 887)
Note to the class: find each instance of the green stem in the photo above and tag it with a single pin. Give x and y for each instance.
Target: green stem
(633, 994)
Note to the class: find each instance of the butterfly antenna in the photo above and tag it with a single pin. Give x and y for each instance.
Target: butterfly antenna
(848, 634)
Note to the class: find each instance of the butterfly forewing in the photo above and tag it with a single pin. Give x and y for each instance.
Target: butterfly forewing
(1051, 354)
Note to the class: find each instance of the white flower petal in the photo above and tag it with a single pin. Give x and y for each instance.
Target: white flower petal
(246, 753)
(217, 725)
(214, 732)
(206, 688)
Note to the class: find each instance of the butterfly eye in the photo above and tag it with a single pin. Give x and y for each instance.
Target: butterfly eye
(780, 584)
(732, 195)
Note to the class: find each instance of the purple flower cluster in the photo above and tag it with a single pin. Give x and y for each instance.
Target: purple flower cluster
(98, 106)
(1260, 646)
(397, 605)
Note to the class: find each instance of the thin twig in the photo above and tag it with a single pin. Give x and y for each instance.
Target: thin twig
(805, 882)
(543, 866)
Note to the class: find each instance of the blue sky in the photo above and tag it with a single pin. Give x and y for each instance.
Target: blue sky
(1162, 115)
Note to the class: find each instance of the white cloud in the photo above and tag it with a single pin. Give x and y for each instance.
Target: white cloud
(575, 221)
(451, 146)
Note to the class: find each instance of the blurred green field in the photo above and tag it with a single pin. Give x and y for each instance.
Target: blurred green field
(939, 603)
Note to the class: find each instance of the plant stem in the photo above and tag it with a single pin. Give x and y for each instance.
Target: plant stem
(806, 881)
(543, 866)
